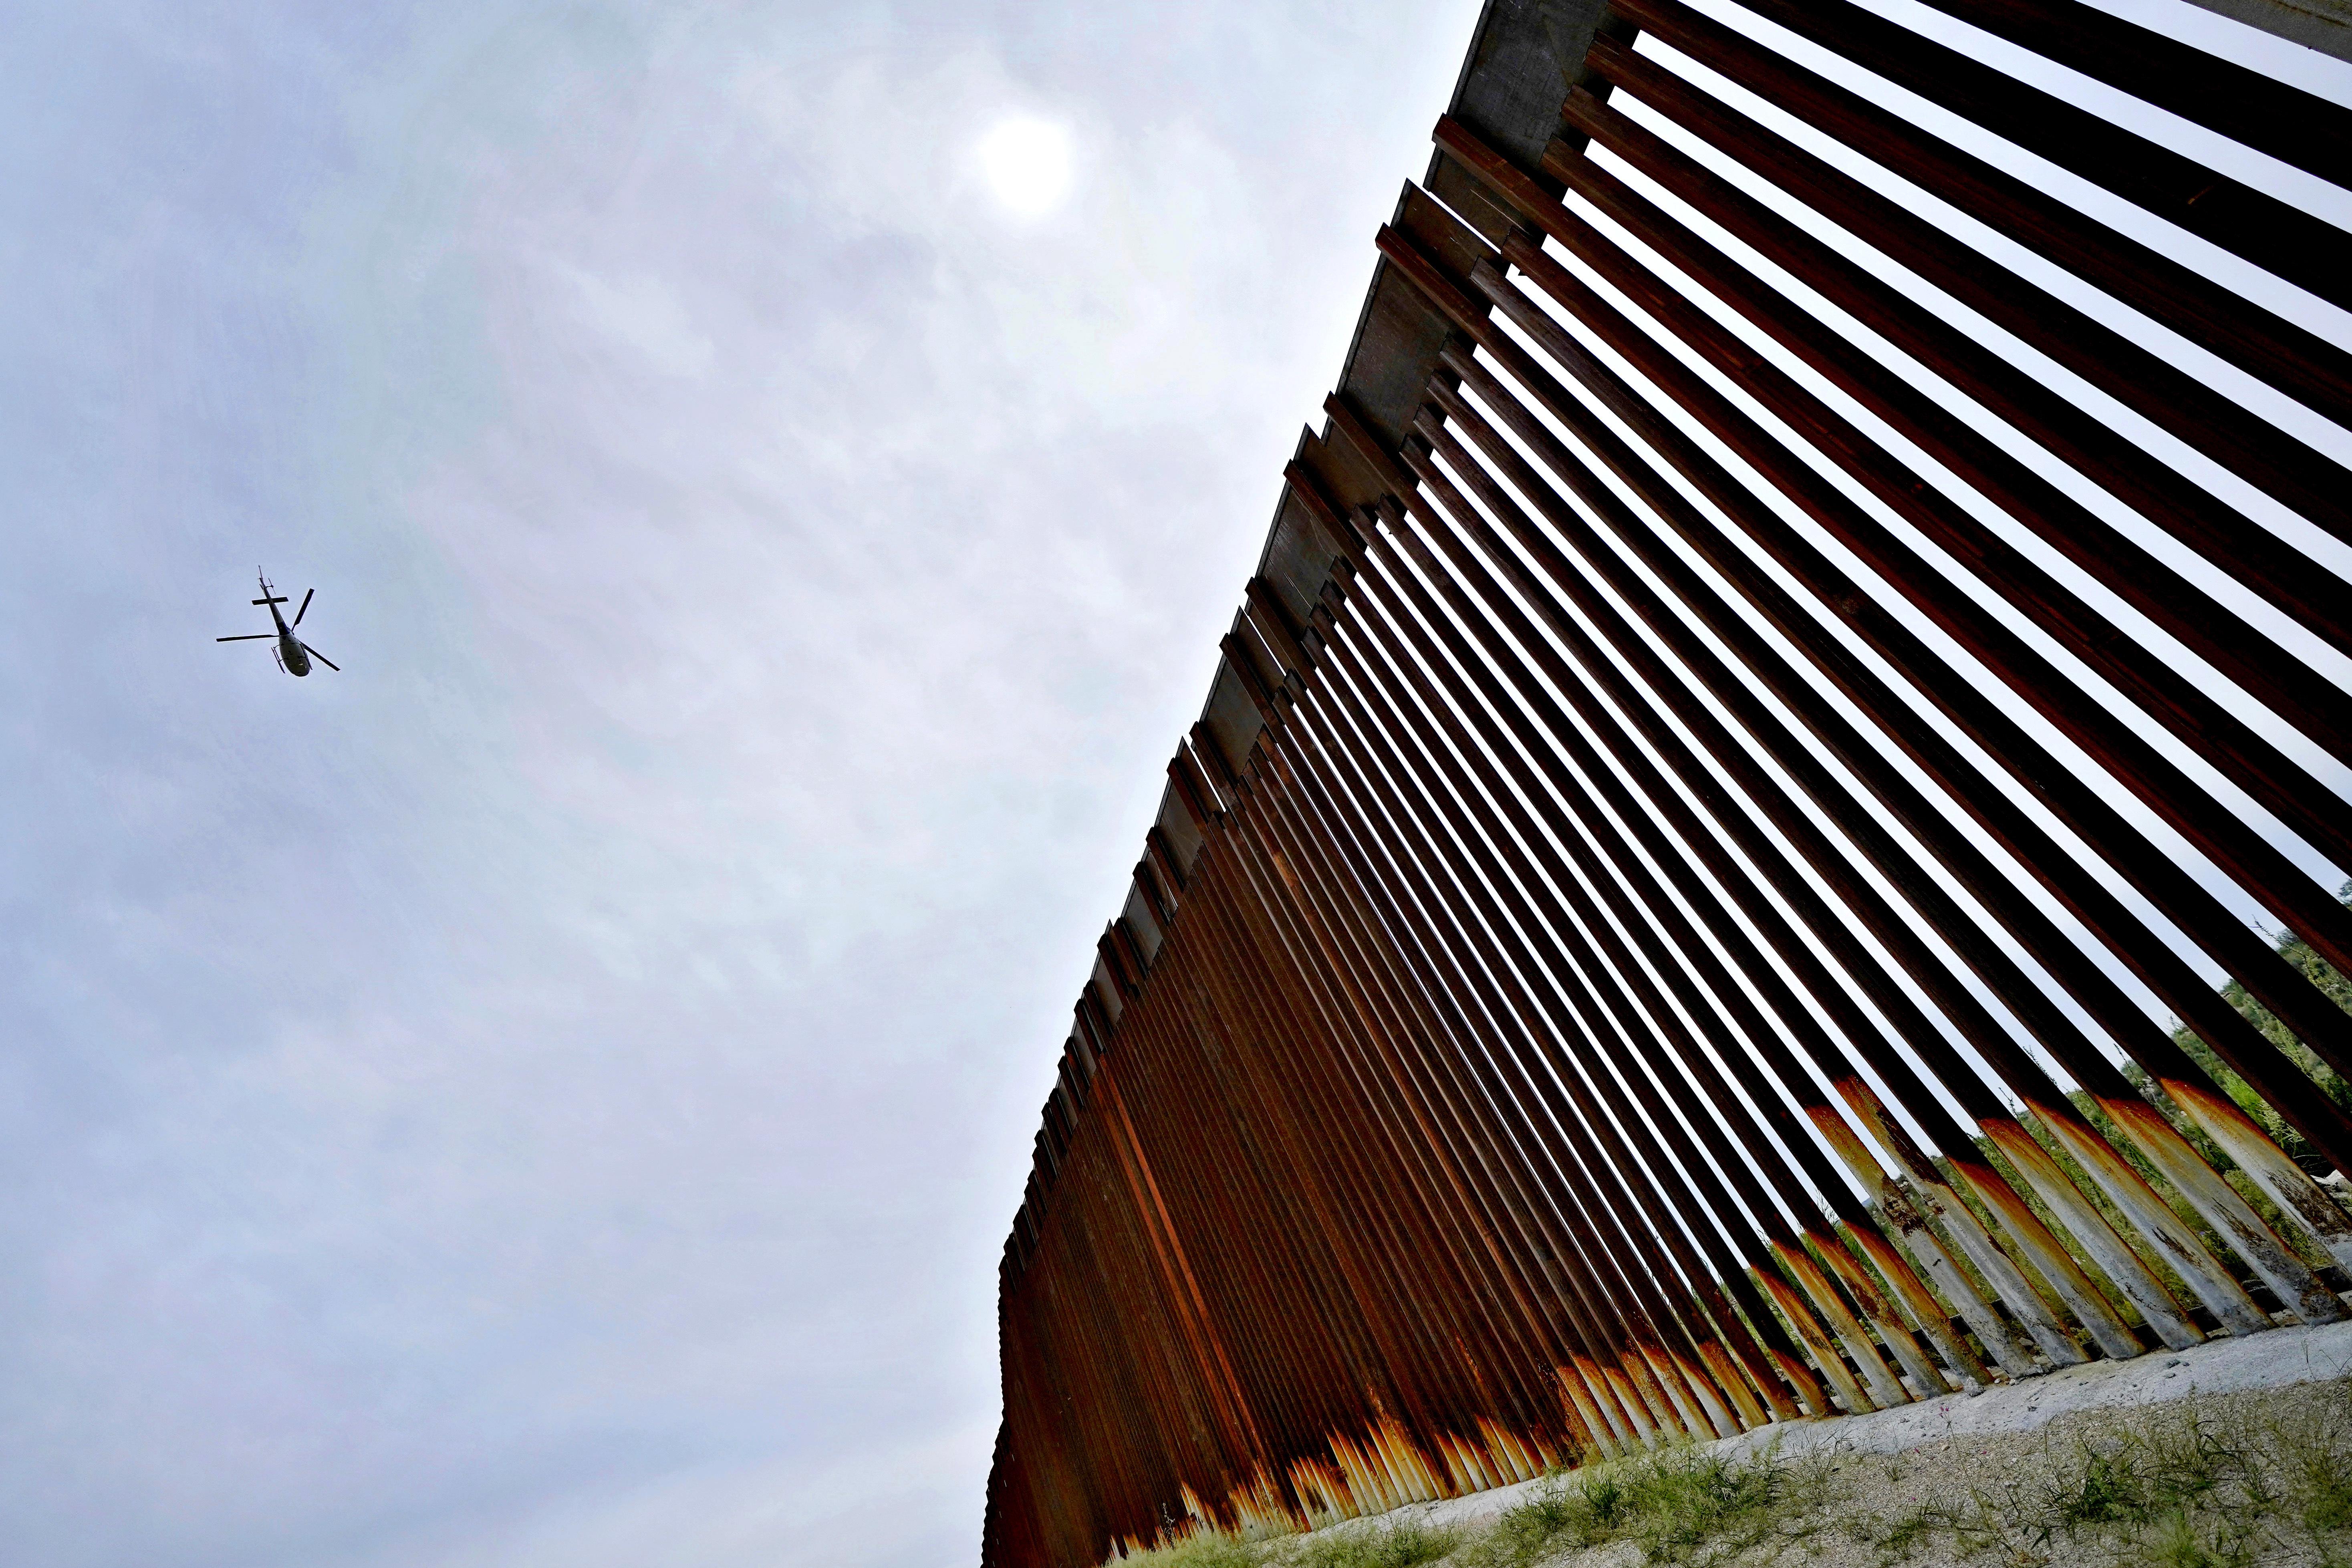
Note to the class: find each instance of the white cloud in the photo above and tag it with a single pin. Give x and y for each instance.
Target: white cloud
(643, 315)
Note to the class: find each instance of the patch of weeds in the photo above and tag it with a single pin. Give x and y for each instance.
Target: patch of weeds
(2186, 1465)
(2104, 1490)
(1404, 1543)
(1205, 1549)
(1987, 1527)
(1601, 1506)
(1710, 1506)
(1582, 1509)
(1901, 1537)
(1676, 1506)
(2315, 1474)
(2175, 1540)
(1550, 1516)
(2327, 1499)
(2140, 1486)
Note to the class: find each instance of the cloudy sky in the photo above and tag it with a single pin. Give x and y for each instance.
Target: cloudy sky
(553, 1094)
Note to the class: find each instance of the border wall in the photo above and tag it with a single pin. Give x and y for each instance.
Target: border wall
(1767, 839)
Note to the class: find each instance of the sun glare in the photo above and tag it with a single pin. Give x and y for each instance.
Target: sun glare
(1027, 162)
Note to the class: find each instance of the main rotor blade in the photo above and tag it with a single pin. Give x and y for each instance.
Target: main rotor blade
(248, 637)
(320, 657)
(306, 605)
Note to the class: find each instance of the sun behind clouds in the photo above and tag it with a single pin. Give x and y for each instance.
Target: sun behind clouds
(1027, 161)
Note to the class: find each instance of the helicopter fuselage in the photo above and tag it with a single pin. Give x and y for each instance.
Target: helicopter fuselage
(291, 655)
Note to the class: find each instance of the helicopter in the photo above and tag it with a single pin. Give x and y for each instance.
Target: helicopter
(293, 655)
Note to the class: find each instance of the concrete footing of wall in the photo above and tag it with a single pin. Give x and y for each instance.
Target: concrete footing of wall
(2271, 1360)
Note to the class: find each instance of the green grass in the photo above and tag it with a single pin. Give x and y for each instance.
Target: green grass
(1207, 1550)
(1406, 1544)
(1678, 1506)
(2318, 1475)
(1391, 1544)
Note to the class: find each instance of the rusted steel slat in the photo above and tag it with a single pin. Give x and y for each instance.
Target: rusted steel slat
(2290, 124)
(2229, 843)
(2205, 419)
(1543, 1239)
(1453, 1253)
(1795, 1016)
(1598, 1126)
(1631, 1264)
(1518, 1317)
(1172, 881)
(1273, 625)
(2318, 1119)
(2198, 518)
(1667, 504)
(1124, 974)
(1504, 1095)
(1152, 890)
(1761, 1155)
(2273, 235)
(1683, 1154)
(1792, 950)
(2296, 361)
(2247, 758)
(1540, 1111)
(1618, 1256)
